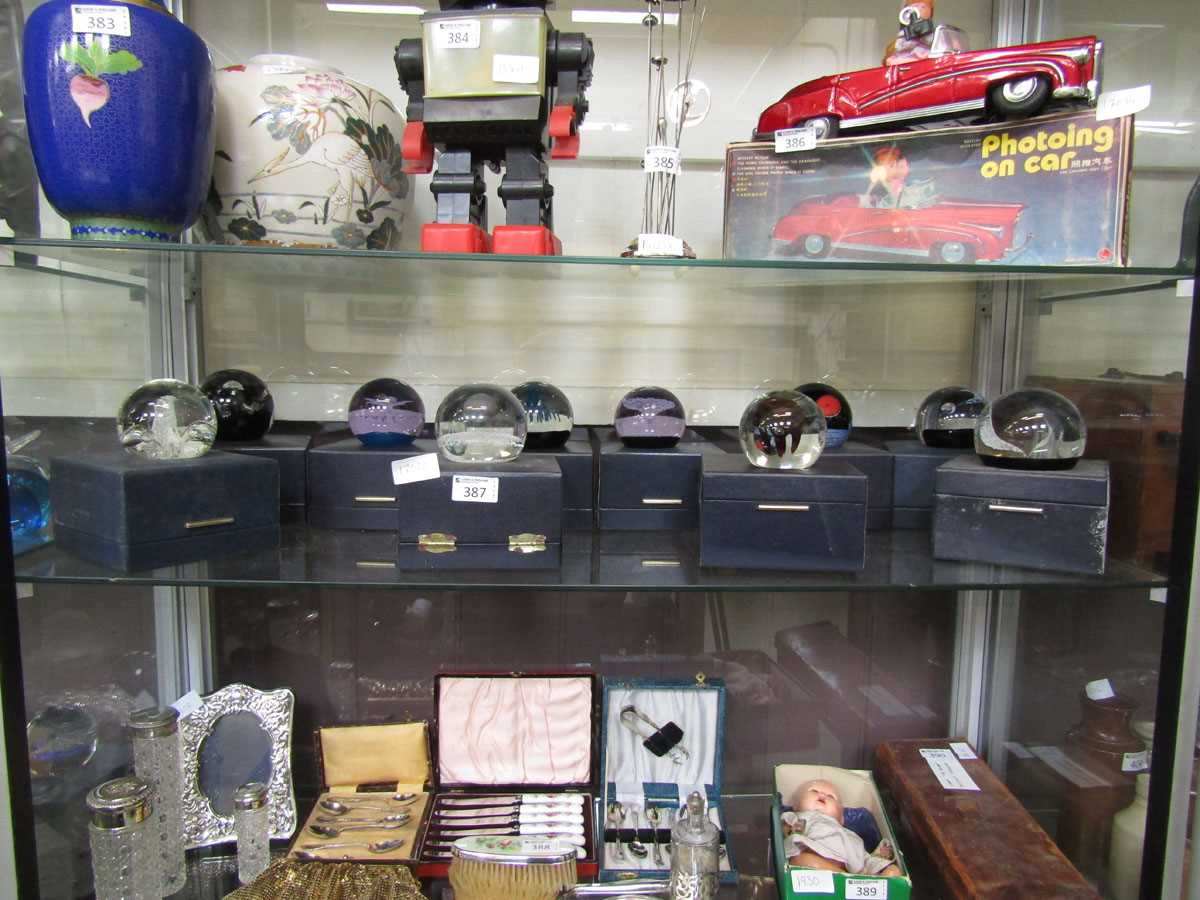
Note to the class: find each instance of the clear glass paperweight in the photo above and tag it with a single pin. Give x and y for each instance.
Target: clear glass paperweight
(245, 407)
(782, 430)
(123, 843)
(1033, 428)
(838, 417)
(549, 414)
(167, 419)
(386, 413)
(154, 734)
(28, 495)
(251, 823)
(481, 423)
(946, 418)
(650, 417)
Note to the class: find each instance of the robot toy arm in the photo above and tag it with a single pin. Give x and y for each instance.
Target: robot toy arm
(416, 148)
(569, 63)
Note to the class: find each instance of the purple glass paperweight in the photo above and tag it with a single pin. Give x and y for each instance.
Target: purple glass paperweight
(650, 417)
(386, 413)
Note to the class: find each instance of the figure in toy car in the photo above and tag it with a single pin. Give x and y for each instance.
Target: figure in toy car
(915, 39)
(492, 83)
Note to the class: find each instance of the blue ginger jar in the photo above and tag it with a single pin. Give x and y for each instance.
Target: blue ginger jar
(119, 99)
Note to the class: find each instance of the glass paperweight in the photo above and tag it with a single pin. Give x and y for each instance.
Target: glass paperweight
(123, 842)
(1033, 428)
(252, 825)
(167, 419)
(28, 495)
(481, 423)
(549, 414)
(650, 417)
(838, 418)
(154, 734)
(947, 418)
(386, 413)
(245, 407)
(782, 430)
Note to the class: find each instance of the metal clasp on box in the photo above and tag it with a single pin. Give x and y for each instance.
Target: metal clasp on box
(209, 523)
(526, 543)
(661, 501)
(437, 543)
(374, 499)
(1027, 510)
(783, 507)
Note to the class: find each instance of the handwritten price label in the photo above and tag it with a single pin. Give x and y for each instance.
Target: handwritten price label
(416, 468)
(875, 889)
(100, 20)
(811, 881)
(456, 35)
(794, 140)
(1114, 104)
(510, 69)
(1136, 762)
(475, 489)
(1100, 689)
(662, 159)
(659, 245)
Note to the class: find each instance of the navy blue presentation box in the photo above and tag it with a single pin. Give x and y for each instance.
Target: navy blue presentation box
(912, 480)
(350, 486)
(289, 452)
(577, 459)
(1038, 519)
(644, 489)
(877, 465)
(812, 519)
(127, 512)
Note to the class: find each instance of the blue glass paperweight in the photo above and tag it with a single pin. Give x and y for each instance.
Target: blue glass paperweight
(386, 413)
(838, 418)
(28, 496)
(549, 412)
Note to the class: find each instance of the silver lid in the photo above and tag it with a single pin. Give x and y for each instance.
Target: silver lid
(120, 802)
(250, 796)
(513, 851)
(153, 722)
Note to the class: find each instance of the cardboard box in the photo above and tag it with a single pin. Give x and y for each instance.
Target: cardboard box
(857, 790)
(1050, 191)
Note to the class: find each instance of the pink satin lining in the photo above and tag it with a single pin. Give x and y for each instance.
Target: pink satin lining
(515, 730)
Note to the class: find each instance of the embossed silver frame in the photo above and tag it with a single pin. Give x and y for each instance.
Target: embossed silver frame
(202, 825)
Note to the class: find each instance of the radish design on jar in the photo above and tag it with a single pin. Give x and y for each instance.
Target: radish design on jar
(89, 90)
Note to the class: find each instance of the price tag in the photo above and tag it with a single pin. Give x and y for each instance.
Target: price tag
(793, 140)
(1099, 689)
(187, 704)
(812, 881)
(511, 69)
(659, 245)
(416, 468)
(949, 771)
(962, 750)
(475, 489)
(460, 34)
(1135, 762)
(662, 159)
(1114, 104)
(875, 889)
(87, 19)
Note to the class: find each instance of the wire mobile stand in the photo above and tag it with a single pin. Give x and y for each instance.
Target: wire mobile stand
(668, 111)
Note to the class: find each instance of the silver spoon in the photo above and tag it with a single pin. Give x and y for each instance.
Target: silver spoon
(616, 817)
(654, 814)
(305, 853)
(670, 832)
(338, 808)
(405, 798)
(335, 820)
(636, 847)
(336, 830)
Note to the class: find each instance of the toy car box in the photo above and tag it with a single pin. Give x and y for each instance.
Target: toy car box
(862, 801)
(1050, 191)
(661, 741)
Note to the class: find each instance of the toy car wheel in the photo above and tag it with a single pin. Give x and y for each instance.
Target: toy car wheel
(1020, 96)
(953, 252)
(824, 127)
(814, 246)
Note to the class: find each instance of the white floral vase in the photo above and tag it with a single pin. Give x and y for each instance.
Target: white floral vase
(305, 157)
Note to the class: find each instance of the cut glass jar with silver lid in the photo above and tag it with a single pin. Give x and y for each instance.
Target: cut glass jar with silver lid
(251, 823)
(123, 840)
(695, 853)
(154, 734)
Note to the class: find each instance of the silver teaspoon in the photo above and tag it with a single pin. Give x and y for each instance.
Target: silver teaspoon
(636, 847)
(404, 798)
(336, 830)
(654, 814)
(338, 808)
(335, 820)
(616, 818)
(306, 853)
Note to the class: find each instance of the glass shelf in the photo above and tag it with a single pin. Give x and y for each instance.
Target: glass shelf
(897, 561)
(348, 270)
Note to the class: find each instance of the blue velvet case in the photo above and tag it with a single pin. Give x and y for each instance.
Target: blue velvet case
(350, 486)
(644, 489)
(577, 459)
(130, 513)
(813, 519)
(289, 451)
(1038, 519)
(621, 750)
(877, 465)
(915, 467)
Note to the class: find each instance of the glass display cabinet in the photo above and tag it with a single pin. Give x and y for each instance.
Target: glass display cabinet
(819, 667)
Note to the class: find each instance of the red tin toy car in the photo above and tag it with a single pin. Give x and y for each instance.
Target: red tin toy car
(951, 81)
(953, 231)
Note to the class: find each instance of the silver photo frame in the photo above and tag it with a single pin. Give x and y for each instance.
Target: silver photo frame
(233, 736)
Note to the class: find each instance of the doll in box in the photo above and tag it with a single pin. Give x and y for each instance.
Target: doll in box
(915, 39)
(817, 836)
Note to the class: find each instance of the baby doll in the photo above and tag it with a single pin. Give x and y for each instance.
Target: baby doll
(816, 837)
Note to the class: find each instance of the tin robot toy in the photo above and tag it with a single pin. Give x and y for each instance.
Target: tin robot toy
(492, 84)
